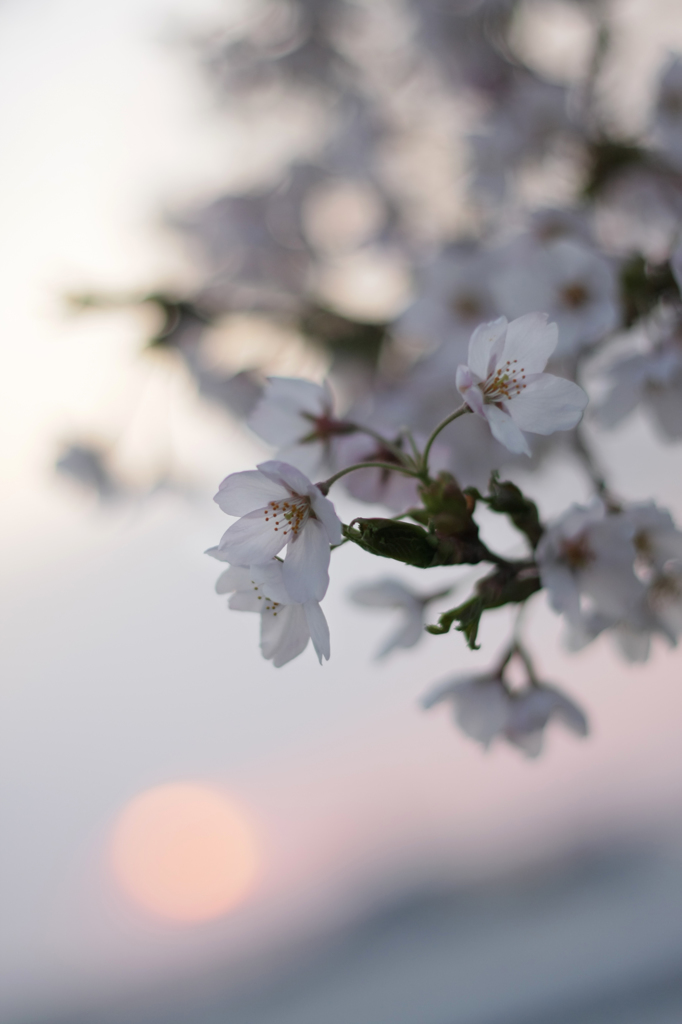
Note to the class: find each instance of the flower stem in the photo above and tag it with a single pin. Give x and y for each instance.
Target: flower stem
(325, 485)
(441, 426)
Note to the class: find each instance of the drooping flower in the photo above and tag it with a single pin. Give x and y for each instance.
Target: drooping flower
(504, 383)
(391, 593)
(286, 626)
(280, 507)
(298, 417)
(485, 709)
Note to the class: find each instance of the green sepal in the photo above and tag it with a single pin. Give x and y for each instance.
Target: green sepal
(511, 584)
(390, 538)
(506, 498)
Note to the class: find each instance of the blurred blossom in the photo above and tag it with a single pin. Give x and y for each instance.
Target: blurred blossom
(530, 116)
(486, 709)
(588, 555)
(87, 466)
(298, 417)
(577, 287)
(390, 593)
(453, 296)
(654, 381)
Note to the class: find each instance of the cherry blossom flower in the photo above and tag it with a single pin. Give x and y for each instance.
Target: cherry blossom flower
(586, 560)
(297, 416)
(653, 380)
(485, 709)
(504, 383)
(279, 506)
(658, 610)
(453, 295)
(577, 287)
(286, 626)
(391, 593)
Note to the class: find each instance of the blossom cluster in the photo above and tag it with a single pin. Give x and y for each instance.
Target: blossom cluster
(544, 269)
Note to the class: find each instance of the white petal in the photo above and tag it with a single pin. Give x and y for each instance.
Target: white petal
(234, 578)
(292, 479)
(409, 632)
(481, 709)
(318, 628)
(252, 540)
(278, 418)
(269, 578)
(283, 634)
(547, 404)
(467, 385)
(215, 552)
(247, 601)
(308, 457)
(306, 564)
(531, 341)
(483, 345)
(295, 393)
(276, 425)
(326, 513)
(505, 430)
(240, 493)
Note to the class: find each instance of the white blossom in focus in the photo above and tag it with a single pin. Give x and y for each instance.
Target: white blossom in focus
(279, 506)
(286, 626)
(577, 287)
(297, 416)
(504, 383)
(586, 560)
(391, 593)
(485, 709)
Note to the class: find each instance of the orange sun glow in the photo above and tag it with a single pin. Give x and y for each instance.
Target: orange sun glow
(184, 851)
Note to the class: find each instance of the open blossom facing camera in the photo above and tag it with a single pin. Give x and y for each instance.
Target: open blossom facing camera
(286, 626)
(504, 383)
(586, 560)
(280, 507)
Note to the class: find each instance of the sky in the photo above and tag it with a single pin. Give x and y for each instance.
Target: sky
(122, 669)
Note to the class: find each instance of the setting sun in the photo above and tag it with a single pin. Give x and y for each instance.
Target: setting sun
(184, 851)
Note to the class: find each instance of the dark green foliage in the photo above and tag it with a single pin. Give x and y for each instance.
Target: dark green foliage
(643, 285)
(389, 538)
(608, 158)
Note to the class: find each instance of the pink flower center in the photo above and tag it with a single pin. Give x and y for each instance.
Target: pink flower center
(506, 383)
(289, 515)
